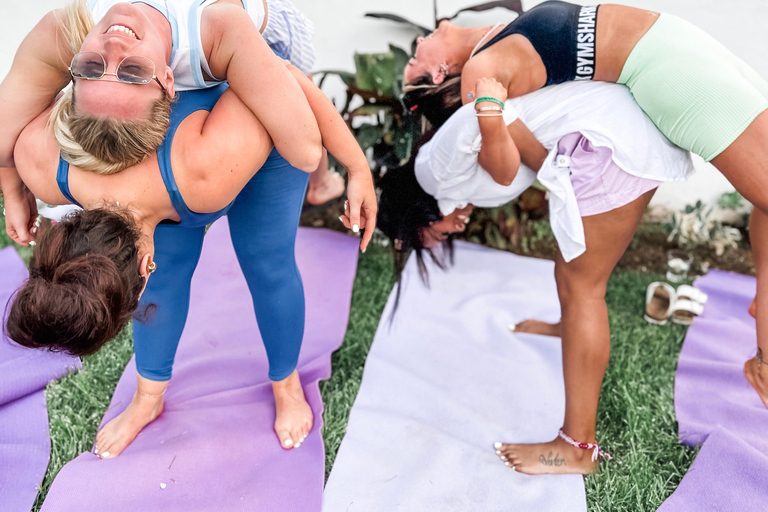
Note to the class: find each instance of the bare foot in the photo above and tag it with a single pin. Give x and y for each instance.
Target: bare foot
(331, 187)
(756, 372)
(537, 327)
(555, 457)
(122, 430)
(294, 415)
(753, 308)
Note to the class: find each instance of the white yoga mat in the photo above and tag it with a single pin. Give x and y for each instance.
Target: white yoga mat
(444, 382)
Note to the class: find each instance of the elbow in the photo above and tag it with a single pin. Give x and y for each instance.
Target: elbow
(311, 158)
(505, 180)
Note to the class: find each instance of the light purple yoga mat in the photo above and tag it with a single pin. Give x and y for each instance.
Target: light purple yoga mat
(214, 446)
(24, 443)
(727, 475)
(715, 404)
(710, 387)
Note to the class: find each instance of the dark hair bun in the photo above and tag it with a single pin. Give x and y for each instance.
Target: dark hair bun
(84, 285)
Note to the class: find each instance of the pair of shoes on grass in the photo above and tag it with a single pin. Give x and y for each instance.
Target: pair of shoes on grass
(663, 302)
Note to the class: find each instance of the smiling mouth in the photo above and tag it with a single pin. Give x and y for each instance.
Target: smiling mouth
(123, 30)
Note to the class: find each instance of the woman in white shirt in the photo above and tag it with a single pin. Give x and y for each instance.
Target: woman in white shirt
(601, 160)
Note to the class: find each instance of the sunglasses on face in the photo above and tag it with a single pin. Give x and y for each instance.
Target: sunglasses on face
(131, 70)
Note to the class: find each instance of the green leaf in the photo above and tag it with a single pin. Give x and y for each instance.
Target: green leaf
(398, 19)
(369, 109)
(375, 72)
(512, 5)
(347, 77)
(368, 135)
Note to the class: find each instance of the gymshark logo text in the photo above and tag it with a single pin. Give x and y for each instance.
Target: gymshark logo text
(585, 43)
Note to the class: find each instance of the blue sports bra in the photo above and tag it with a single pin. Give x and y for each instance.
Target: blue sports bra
(186, 103)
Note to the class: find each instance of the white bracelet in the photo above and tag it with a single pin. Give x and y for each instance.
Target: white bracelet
(486, 109)
(490, 115)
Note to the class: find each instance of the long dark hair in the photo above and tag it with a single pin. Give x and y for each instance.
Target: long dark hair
(435, 102)
(84, 284)
(405, 209)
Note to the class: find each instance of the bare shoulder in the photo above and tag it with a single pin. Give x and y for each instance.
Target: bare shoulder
(37, 159)
(479, 66)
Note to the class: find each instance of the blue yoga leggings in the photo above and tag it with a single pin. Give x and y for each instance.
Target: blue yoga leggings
(263, 222)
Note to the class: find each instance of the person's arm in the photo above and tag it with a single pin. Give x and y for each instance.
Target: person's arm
(532, 152)
(20, 207)
(38, 73)
(215, 154)
(237, 52)
(498, 154)
(341, 143)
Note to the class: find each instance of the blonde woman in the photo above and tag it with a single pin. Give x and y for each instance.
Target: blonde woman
(116, 112)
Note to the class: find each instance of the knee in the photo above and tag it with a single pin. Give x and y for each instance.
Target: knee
(577, 285)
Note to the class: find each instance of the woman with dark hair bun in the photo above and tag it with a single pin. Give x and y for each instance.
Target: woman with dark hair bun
(601, 159)
(84, 284)
(152, 216)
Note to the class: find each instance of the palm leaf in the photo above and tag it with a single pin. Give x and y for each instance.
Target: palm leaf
(398, 19)
(512, 5)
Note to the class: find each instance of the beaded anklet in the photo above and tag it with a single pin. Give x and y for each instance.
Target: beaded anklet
(597, 452)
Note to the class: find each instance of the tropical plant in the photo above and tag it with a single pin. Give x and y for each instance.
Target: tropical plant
(381, 123)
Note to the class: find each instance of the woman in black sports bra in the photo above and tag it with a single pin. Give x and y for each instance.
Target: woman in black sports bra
(699, 95)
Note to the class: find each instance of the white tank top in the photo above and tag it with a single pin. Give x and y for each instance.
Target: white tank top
(188, 60)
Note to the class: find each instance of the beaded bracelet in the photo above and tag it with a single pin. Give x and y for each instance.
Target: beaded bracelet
(491, 99)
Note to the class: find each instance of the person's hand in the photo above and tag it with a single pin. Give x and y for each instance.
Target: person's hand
(21, 217)
(490, 87)
(360, 208)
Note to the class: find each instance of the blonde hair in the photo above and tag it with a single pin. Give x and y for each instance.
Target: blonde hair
(102, 145)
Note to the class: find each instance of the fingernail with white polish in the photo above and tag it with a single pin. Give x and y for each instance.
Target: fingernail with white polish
(104, 455)
(512, 327)
(507, 464)
(503, 458)
(497, 445)
(297, 445)
(355, 228)
(288, 443)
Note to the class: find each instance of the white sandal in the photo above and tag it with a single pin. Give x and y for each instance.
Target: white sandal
(660, 298)
(689, 292)
(685, 311)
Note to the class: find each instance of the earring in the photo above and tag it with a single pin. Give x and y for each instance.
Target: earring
(444, 69)
(151, 267)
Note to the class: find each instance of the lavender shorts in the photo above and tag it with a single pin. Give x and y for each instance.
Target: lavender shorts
(599, 184)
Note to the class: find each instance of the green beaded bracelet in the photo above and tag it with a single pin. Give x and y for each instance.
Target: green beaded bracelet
(491, 99)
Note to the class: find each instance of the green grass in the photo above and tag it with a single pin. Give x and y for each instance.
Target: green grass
(636, 419)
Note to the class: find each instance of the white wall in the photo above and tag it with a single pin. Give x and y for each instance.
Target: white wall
(341, 30)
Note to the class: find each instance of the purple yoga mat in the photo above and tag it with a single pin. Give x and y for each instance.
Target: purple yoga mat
(710, 387)
(727, 475)
(715, 404)
(214, 448)
(24, 443)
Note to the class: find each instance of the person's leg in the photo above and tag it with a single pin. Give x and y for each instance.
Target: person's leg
(263, 222)
(155, 338)
(581, 286)
(745, 164)
(324, 185)
(537, 327)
